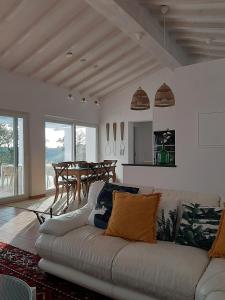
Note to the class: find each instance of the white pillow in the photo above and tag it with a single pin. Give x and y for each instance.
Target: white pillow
(94, 191)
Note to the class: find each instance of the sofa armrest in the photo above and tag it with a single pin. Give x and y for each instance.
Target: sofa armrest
(216, 296)
(60, 225)
(212, 282)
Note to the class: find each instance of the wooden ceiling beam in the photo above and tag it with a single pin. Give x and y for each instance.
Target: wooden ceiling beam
(187, 34)
(177, 23)
(208, 51)
(127, 81)
(192, 13)
(203, 44)
(132, 18)
(78, 37)
(35, 51)
(200, 37)
(135, 61)
(206, 54)
(184, 3)
(131, 69)
(25, 33)
(102, 71)
(114, 37)
(11, 11)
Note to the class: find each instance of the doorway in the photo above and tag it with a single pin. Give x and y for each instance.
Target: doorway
(142, 132)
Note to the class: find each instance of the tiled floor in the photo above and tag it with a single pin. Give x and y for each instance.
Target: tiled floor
(18, 228)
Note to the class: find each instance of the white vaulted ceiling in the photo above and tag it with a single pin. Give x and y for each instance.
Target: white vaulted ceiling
(110, 46)
(196, 25)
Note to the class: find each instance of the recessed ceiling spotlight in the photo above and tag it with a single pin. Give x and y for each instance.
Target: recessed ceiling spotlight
(70, 97)
(83, 59)
(97, 103)
(139, 35)
(83, 100)
(69, 54)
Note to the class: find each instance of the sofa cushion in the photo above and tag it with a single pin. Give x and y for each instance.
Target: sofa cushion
(166, 219)
(134, 217)
(93, 193)
(85, 249)
(169, 213)
(199, 225)
(218, 247)
(163, 270)
(102, 212)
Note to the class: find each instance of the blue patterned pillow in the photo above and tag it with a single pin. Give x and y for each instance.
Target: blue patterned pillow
(102, 212)
(198, 226)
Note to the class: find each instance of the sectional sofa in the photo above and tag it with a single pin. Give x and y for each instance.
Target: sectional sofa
(76, 251)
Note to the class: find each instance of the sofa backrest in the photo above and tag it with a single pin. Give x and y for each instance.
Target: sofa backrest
(171, 197)
(181, 197)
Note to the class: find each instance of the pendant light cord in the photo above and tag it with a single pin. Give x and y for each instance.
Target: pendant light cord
(164, 31)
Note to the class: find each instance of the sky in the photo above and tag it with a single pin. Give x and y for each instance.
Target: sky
(52, 135)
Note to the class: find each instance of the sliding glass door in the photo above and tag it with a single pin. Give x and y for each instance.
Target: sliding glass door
(12, 181)
(86, 146)
(67, 142)
(58, 147)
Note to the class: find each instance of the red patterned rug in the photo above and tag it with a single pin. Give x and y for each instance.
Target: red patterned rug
(24, 265)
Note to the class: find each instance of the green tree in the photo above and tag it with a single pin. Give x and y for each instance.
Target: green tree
(6, 136)
(6, 144)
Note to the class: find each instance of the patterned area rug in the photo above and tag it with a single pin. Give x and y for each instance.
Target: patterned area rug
(24, 265)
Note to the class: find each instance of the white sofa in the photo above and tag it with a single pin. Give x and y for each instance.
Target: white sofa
(76, 251)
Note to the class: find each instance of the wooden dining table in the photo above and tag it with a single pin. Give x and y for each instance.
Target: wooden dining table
(78, 172)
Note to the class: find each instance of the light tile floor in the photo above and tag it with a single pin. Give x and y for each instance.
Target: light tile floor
(18, 228)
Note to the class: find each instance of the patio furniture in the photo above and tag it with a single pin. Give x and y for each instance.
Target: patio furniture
(7, 175)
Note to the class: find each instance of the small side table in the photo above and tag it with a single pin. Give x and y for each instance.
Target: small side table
(15, 289)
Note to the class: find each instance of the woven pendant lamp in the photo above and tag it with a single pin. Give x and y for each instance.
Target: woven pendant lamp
(140, 100)
(164, 96)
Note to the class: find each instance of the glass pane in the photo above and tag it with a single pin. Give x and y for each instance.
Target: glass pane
(11, 156)
(20, 157)
(86, 143)
(58, 148)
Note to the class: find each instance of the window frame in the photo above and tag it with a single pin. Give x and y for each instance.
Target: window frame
(26, 154)
(74, 123)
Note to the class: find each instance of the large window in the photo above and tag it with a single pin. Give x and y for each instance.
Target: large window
(58, 147)
(86, 143)
(67, 142)
(12, 181)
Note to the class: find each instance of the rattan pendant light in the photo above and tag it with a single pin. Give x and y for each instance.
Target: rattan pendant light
(140, 100)
(164, 96)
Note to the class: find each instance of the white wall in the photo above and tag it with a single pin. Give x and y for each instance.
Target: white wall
(197, 88)
(38, 99)
(117, 109)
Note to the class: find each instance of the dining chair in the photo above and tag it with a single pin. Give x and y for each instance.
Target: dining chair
(64, 180)
(93, 170)
(107, 173)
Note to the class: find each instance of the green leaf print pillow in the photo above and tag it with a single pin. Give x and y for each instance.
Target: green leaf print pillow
(198, 225)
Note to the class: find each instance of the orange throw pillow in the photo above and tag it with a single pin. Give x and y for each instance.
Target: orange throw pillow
(134, 216)
(218, 246)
